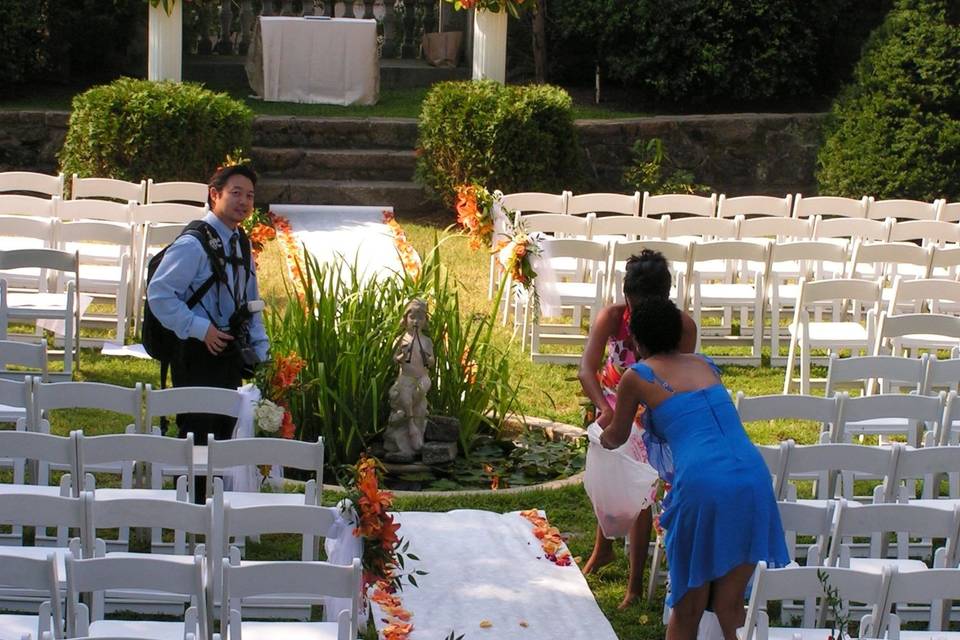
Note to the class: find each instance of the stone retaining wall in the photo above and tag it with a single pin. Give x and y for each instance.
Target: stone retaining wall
(737, 154)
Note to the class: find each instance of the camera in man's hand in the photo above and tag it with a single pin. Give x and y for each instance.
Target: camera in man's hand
(239, 328)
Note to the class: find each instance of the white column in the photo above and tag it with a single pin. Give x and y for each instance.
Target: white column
(165, 34)
(490, 45)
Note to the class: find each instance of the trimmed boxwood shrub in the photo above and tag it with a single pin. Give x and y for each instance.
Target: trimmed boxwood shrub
(895, 131)
(512, 138)
(134, 129)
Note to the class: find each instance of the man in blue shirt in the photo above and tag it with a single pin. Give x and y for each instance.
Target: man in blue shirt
(208, 355)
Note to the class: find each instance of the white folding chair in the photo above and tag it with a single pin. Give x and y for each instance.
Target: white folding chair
(105, 251)
(936, 232)
(693, 229)
(895, 374)
(677, 255)
(807, 520)
(945, 262)
(102, 210)
(928, 465)
(626, 229)
(31, 183)
(153, 237)
(916, 295)
(743, 290)
(891, 413)
(906, 520)
(586, 290)
(889, 260)
(933, 587)
(825, 411)
(126, 401)
(309, 579)
(192, 193)
(108, 189)
(788, 263)
(141, 458)
(682, 203)
(27, 358)
(949, 212)
(45, 305)
(851, 229)
(39, 575)
(776, 229)
(800, 583)
(305, 456)
(829, 207)
(901, 209)
(944, 375)
(25, 232)
(153, 573)
(534, 202)
(911, 331)
(845, 331)
(616, 203)
(755, 206)
(846, 463)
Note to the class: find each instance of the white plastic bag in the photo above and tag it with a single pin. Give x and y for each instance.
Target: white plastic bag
(618, 485)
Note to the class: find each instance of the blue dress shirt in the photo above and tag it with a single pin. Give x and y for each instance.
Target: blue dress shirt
(183, 270)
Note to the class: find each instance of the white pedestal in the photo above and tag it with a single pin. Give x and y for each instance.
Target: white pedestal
(490, 45)
(165, 49)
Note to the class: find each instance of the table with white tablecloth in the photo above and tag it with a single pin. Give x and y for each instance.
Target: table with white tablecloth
(331, 61)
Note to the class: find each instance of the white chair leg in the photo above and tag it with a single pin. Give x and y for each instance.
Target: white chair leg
(791, 358)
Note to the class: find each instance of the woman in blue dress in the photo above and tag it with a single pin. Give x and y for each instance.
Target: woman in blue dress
(721, 517)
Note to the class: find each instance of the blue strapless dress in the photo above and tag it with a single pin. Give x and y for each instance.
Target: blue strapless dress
(721, 511)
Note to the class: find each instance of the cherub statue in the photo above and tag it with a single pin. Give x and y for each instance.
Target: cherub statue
(413, 351)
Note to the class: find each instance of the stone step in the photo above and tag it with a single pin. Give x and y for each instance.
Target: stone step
(335, 133)
(335, 164)
(406, 198)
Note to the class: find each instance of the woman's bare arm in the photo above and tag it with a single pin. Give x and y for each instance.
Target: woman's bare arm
(629, 397)
(605, 325)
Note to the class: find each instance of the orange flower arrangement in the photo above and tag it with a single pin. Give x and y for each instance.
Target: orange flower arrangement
(515, 252)
(475, 214)
(409, 257)
(277, 380)
(262, 228)
(384, 551)
(554, 548)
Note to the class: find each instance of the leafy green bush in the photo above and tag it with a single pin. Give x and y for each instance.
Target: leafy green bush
(649, 171)
(512, 138)
(134, 129)
(895, 132)
(711, 53)
(20, 37)
(345, 328)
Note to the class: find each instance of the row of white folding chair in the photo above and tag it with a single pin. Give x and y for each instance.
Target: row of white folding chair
(880, 592)
(31, 182)
(103, 210)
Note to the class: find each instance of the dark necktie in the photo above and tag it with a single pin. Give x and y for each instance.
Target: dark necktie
(236, 262)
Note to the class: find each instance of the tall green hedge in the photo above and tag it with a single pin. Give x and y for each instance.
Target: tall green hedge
(134, 129)
(21, 29)
(895, 131)
(512, 138)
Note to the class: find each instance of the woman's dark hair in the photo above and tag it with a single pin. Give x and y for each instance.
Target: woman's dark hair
(219, 179)
(656, 324)
(647, 275)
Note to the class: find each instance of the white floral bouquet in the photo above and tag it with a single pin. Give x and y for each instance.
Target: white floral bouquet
(268, 416)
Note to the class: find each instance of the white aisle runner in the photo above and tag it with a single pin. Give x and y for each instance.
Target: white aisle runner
(487, 566)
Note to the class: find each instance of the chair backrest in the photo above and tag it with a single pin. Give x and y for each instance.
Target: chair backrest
(42, 510)
(825, 410)
(304, 519)
(141, 572)
(921, 587)
(627, 205)
(306, 456)
(556, 223)
(829, 207)
(166, 212)
(94, 210)
(95, 232)
(108, 188)
(40, 575)
(949, 212)
(776, 228)
(289, 578)
(738, 250)
(926, 464)
(32, 183)
(42, 447)
(902, 209)
(48, 396)
(141, 447)
(181, 517)
(39, 259)
(185, 192)
(924, 293)
(683, 203)
(864, 291)
(15, 205)
(945, 257)
(894, 372)
(926, 231)
(852, 458)
(853, 228)
(893, 326)
(28, 227)
(802, 519)
(575, 248)
(795, 583)
(32, 355)
(212, 400)
(883, 258)
(746, 206)
(895, 405)
(700, 227)
(632, 227)
(942, 373)
(534, 202)
(812, 256)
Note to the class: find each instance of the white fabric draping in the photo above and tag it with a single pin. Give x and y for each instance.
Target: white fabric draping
(547, 280)
(485, 566)
(341, 547)
(247, 478)
(331, 61)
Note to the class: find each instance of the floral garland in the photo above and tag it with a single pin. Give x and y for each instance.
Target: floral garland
(262, 228)
(513, 7)
(384, 552)
(409, 257)
(277, 380)
(515, 254)
(474, 208)
(554, 549)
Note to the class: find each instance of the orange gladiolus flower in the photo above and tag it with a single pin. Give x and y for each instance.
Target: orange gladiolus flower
(287, 429)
